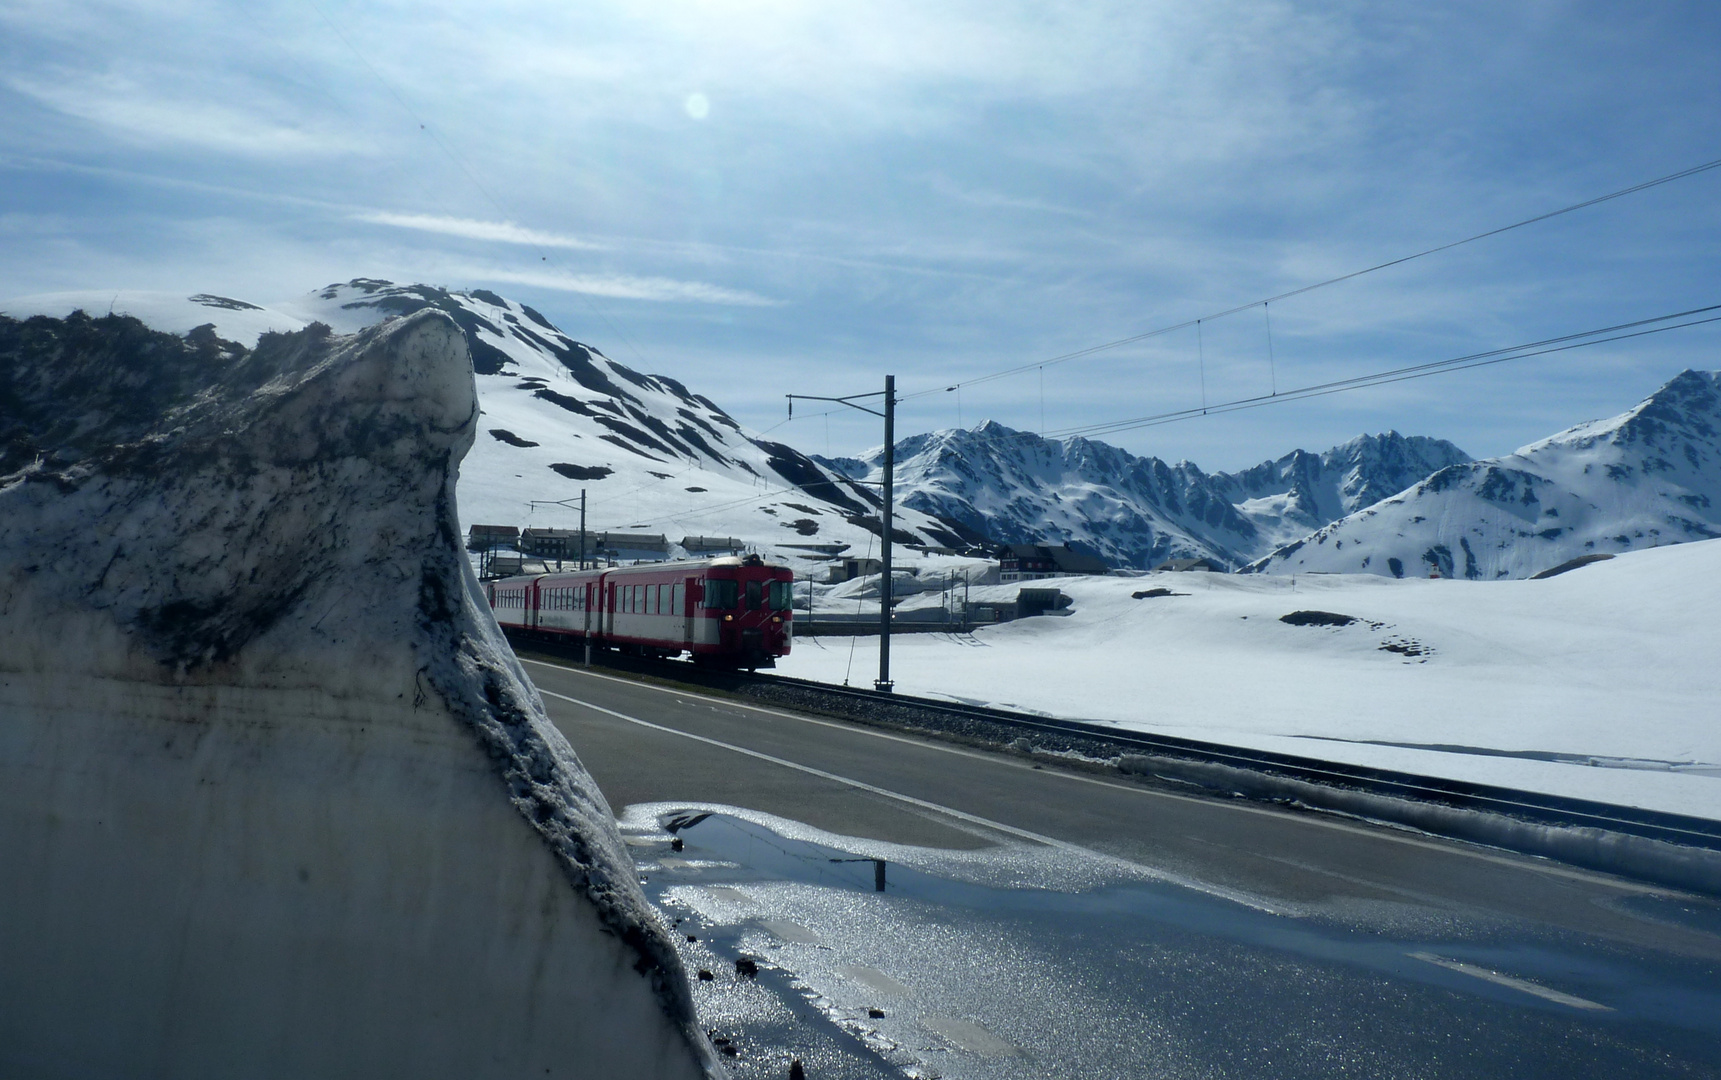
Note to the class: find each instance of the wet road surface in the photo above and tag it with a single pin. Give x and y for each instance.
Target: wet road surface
(1056, 922)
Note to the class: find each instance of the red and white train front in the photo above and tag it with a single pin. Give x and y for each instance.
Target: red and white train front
(733, 610)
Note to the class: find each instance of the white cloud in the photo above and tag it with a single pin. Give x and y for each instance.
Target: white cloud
(136, 112)
(629, 287)
(501, 232)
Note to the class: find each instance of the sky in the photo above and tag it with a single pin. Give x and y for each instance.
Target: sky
(768, 197)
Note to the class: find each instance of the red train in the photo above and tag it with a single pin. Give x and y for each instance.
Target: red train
(732, 610)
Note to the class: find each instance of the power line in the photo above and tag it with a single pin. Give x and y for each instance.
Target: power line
(1562, 343)
(1120, 342)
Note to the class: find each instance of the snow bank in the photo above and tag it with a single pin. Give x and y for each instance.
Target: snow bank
(275, 798)
(1600, 683)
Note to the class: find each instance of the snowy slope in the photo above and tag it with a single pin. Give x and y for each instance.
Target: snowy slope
(1600, 683)
(1650, 476)
(559, 416)
(1017, 487)
(276, 799)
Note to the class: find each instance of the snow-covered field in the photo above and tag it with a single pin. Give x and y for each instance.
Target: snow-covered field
(1607, 673)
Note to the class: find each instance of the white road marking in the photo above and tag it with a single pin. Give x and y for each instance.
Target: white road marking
(1133, 868)
(973, 819)
(1521, 985)
(1394, 834)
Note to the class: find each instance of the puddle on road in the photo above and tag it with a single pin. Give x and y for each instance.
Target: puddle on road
(990, 980)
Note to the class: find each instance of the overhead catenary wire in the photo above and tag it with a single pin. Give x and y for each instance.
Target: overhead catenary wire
(1201, 358)
(1401, 260)
(1562, 343)
(1546, 346)
(1272, 369)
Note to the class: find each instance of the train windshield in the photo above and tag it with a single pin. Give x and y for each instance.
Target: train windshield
(782, 595)
(721, 595)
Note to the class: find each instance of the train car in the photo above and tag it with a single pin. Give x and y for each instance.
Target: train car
(732, 610)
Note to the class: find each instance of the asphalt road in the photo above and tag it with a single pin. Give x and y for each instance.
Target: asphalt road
(1589, 968)
(1298, 858)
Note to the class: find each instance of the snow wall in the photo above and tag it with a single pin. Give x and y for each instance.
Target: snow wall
(276, 800)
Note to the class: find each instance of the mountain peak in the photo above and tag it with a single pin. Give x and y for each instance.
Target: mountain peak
(1016, 486)
(1649, 476)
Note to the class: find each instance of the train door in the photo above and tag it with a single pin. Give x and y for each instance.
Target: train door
(686, 593)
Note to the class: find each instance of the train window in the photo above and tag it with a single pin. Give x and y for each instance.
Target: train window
(755, 595)
(782, 595)
(654, 599)
(720, 595)
(677, 599)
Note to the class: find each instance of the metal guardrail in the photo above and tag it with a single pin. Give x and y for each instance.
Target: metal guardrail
(1544, 809)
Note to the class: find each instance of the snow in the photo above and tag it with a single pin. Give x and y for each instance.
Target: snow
(275, 796)
(1609, 668)
(173, 313)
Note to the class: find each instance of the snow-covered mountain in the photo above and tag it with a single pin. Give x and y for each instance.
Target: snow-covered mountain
(559, 416)
(1017, 487)
(1647, 477)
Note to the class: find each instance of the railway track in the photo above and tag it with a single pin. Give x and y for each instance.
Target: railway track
(1666, 848)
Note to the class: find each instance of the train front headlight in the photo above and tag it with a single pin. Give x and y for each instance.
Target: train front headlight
(728, 618)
